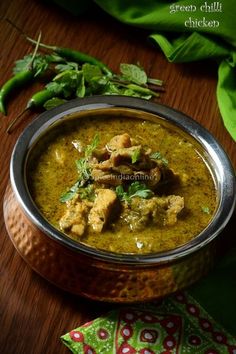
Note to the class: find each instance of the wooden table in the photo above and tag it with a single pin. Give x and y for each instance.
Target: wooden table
(34, 313)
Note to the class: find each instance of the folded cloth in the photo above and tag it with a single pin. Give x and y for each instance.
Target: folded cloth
(177, 324)
(202, 30)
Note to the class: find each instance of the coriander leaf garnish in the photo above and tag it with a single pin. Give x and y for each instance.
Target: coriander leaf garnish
(206, 209)
(158, 156)
(70, 193)
(87, 193)
(90, 148)
(121, 194)
(135, 156)
(38, 62)
(84, 172)
(136, 189)
(83, 169)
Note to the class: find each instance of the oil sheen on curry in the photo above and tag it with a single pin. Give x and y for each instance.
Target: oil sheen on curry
(122, 185)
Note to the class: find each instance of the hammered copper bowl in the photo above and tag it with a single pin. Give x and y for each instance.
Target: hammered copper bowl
(97, 274)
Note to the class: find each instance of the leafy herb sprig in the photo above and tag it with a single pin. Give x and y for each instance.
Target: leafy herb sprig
(77, 74)
(158, 156)
(82, 186)
(136, 189)
(72, 81)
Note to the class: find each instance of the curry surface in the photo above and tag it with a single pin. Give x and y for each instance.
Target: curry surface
(52, 170)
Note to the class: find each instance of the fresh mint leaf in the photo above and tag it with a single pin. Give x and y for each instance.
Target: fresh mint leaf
(133, 73)
(53, 102)
(91, 71)
(55, 87)
(69, 81)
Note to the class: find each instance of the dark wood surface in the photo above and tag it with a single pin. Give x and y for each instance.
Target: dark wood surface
(34, 313)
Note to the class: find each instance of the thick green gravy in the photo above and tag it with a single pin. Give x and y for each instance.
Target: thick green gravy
(51, 170)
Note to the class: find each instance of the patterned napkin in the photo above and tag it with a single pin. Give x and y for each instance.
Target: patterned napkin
(177, 324)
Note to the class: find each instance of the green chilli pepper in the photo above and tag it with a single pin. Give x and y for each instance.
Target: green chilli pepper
(17, 81)
(76, 56)
(39, 98)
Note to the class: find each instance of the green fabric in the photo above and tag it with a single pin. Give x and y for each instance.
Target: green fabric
(217, 292)
(156, 15)
(210, 40)
(195, 44)
(176, 325)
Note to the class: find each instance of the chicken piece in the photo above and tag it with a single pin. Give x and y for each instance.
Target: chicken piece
(60, 156)
(103, 166)
(75, 217)
(123, 170)
(119, 142)
(101, 211)
(101, 177)
(154, 176)
(175, 205)
(158, 210)
(164, 209)
(101, 154)
(123, 155)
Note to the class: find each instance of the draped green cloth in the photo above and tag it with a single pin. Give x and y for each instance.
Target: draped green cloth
(185, 31)
(164, 18)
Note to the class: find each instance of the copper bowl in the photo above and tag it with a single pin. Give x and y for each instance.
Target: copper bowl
(98, 274)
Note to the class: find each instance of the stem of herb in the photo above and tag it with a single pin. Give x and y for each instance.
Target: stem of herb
(155, 82)
(36, 49)
(143, 90)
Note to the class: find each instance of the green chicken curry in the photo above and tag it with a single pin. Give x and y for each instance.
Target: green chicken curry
(122, 185)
